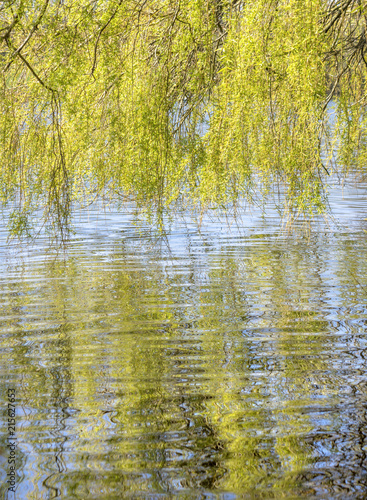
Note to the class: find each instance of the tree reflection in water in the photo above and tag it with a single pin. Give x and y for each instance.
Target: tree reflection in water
(231, 366)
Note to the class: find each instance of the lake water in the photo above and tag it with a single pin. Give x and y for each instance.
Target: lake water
(215, 362)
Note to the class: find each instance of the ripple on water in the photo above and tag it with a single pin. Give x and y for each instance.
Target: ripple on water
(212, 363)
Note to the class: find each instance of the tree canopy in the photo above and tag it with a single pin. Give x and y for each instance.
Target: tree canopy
(165, 102)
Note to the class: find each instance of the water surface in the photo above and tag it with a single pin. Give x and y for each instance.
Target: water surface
(214, 362)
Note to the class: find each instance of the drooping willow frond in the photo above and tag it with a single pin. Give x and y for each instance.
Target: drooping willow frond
(166, 101)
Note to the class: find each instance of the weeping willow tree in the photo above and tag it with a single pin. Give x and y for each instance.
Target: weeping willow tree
(166, 102)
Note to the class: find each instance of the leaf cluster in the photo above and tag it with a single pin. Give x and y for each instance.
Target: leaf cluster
(165, 102)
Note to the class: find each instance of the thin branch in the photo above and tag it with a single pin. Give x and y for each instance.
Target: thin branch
(15, 21)
(37, 77)
(99, 36)
(34, 28)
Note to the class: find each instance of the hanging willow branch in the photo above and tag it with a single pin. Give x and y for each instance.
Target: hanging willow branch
(169, 101)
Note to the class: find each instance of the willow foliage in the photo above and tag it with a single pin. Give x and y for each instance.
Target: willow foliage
(164, 101)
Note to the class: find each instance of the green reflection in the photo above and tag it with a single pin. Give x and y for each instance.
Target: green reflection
(140, 372)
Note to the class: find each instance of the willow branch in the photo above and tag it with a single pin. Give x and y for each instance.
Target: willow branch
(99, 36)
(34, 28)
(15, 21)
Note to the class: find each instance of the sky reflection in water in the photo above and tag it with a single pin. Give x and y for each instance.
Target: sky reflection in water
(219, 363)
